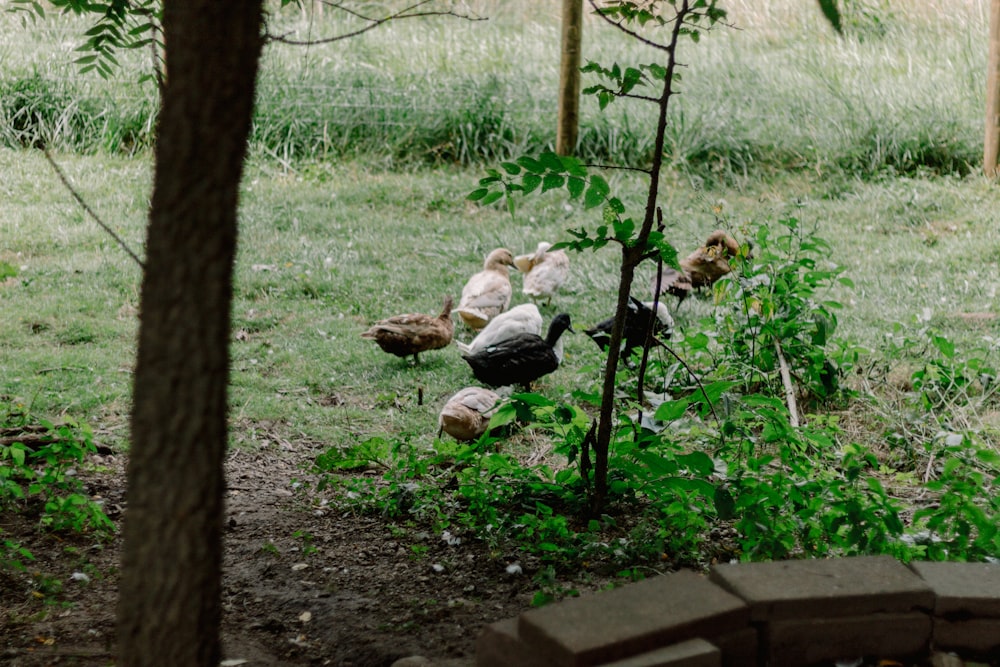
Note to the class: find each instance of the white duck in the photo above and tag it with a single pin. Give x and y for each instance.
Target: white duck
(487, 293)
(544, 271)
(519, 319)
(466, 415)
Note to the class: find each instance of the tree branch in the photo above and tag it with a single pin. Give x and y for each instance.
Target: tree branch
(630, 33)
(405, 13)
(786, 382)
(90, 212)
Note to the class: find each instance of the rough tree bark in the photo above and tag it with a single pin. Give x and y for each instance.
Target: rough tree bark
(169, 609)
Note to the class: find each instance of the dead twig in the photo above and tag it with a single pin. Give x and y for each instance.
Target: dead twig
(786, 382)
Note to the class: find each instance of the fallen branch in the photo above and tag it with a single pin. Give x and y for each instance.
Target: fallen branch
(786, 382)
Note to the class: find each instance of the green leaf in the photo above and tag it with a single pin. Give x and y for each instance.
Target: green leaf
(531, 182)
(552, 181)
(505, 414)
(671, 410)
(573, 166)
(531, 164)
(575, 186)
(511, 168)
(598, 182)
(551, 162)
(592, 198)
(491, 197)
(478, 194)
(699, 463)
(623, 229)
(832, 13)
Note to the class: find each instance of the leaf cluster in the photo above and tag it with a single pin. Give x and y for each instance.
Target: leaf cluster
(118, 25)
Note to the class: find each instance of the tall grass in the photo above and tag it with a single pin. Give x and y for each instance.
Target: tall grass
(902, 94)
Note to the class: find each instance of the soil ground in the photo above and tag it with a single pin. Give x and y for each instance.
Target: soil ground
(302, 585)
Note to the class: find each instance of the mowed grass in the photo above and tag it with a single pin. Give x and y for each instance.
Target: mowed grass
(328, 248)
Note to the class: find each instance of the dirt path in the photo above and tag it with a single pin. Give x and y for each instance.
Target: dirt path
(303, 585)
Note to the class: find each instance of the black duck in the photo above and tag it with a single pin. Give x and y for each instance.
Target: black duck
(521, 359)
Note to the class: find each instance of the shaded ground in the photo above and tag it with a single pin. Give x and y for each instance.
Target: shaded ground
(302, 585)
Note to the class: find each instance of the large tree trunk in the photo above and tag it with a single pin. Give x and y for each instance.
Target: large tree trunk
(169, 609)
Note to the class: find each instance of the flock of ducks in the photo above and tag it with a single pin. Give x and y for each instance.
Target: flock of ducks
(509, 349)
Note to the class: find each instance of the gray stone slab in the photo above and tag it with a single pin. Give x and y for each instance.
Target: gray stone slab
(825, 588)
(499, 645)
(794, 643)
(974, 637)
(632, 619)
(690, 653)
(971, 589)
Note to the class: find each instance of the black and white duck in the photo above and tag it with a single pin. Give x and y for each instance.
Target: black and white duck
(637, 320)
(520, 359)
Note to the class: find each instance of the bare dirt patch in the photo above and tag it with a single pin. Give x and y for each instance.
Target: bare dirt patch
(303, 584)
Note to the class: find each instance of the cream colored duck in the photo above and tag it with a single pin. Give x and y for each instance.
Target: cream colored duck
(519, 319)
(487, 293)
(466, 415)
(413, 333)
(545, 271)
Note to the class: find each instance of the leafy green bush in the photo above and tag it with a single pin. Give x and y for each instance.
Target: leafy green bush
(42, 474)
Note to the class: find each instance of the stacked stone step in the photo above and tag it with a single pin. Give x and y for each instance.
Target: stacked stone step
(781, 614)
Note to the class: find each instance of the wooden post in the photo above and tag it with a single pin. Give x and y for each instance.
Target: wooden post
(569, 77)
(991, 149)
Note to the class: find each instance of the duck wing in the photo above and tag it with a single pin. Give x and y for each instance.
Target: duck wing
(517, 360)
(548, 275)
(486, 291)
(519, 319)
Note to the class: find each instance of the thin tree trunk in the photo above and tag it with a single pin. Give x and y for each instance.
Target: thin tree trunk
(631, 257)
(569, 77)
(991, 144)
(169, 608)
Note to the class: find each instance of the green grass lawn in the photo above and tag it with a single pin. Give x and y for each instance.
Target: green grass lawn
(329, 248)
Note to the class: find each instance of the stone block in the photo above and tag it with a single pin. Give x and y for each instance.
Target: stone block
(963, 589)
(630, 620)
(794, 643)
(499, 645)
(739, 649)
(975, 637)
(690, 653)
(825, 588)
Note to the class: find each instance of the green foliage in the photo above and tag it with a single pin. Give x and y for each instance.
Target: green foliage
(45, 473)
(779, 304)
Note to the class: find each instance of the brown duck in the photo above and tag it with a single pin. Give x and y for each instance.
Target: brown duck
(702, 267)
(467, 414)
(413, 333)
